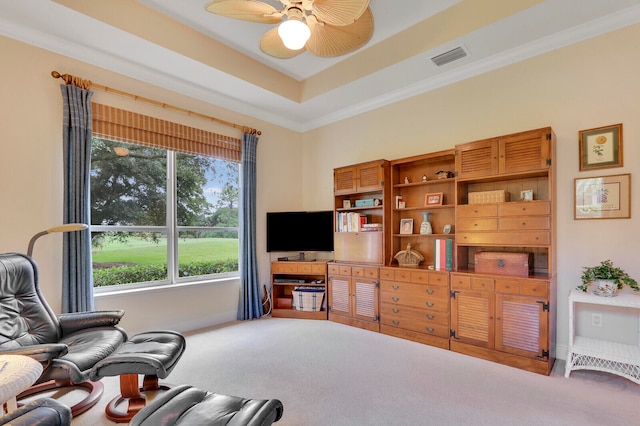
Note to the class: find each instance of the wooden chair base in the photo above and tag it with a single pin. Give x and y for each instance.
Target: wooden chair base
(132, 395)
(94, 389)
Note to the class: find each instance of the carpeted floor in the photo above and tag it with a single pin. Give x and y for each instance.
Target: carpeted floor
(329, 374)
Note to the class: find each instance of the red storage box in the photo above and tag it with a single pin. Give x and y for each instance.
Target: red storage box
(504, 263)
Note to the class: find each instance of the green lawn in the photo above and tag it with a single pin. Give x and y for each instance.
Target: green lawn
(141, 252)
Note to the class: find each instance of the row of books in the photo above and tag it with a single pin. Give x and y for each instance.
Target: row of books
(443, 254)
(355, 222)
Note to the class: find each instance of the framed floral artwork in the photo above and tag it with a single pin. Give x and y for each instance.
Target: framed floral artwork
(601, 148)
(603, 197)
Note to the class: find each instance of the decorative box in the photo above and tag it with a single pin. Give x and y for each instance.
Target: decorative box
(481, 197)
(504, 263)
(308, 299)
(368, 202)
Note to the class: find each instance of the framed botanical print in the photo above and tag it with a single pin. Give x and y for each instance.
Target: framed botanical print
(601, 148)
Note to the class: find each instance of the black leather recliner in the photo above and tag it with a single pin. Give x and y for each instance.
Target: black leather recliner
(68, 345)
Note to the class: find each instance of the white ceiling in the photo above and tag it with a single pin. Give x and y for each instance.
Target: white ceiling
(546, 26)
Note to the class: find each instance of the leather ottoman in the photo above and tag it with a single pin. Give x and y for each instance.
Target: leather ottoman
(153, 354)
(187, 406)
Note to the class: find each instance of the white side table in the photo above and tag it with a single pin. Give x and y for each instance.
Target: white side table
(17, 373)
(602, 355)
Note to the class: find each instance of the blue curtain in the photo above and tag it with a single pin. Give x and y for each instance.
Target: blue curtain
(250, 305)
(77, 282)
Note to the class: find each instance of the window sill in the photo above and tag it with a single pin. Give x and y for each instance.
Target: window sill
(151, 287)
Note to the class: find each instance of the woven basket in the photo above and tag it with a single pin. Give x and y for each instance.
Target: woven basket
(409, 257)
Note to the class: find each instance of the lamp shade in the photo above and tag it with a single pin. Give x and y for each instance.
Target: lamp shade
(294, 33)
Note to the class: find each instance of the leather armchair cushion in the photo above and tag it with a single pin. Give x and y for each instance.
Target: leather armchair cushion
(41, 412)
(72, 322)
(186, 405)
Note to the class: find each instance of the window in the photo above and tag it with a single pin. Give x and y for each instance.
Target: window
(160, 216)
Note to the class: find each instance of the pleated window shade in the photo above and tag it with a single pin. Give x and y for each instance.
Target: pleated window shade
(130, 127)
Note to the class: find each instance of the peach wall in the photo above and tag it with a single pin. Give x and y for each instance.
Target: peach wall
(31, 181)
(584, 86)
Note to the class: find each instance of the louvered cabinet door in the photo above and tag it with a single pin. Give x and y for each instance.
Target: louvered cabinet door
(472, 318)
(339, 299)
(522, 326)
(525, 151)
(344, 180)
(477, 159)
(370, 176)
(365, 299)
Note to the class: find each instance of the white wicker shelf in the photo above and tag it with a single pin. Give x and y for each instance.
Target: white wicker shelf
(602, 355)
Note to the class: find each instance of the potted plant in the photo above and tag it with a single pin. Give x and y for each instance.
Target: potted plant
(607, 279)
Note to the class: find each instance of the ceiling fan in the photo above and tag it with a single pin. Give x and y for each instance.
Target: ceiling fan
(325, 28)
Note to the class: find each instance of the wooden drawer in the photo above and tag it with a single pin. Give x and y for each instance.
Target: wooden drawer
(477, 224)
(422, 326)
(525, 208)
(514, 223)
(508, 286)
(284, 267)
(460, 282)
(482, 283)
(534, 288)
(406, 299)
(387, 274)
(537, 288)
(318, 268)
(364, 272)
(419, 277)
(415, 290)
(388, 311)
(525, 238)
(476, 210)
(338, 269)
(439, 278)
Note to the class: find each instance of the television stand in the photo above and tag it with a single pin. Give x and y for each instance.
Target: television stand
(286, 276)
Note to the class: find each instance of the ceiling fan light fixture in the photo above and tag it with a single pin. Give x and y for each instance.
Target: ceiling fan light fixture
(294, 33)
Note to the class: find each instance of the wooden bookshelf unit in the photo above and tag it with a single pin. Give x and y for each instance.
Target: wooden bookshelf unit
(286, 276)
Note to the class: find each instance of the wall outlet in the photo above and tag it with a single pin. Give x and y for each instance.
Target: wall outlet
(596, 320)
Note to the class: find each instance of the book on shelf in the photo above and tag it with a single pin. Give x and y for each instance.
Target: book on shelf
(350, 221)
(443, 254)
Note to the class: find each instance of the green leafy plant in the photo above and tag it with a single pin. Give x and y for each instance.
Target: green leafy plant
(606, 271)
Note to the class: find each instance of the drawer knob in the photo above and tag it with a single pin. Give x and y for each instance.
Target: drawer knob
(395, 287)
(395, 299)
(430, 304)
(395, 310)
(430, 329)
(429, 291)
(430, 316)
(396, 322)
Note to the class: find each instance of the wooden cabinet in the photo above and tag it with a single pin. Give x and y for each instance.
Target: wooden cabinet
(503, 318)
(364, 177)
(353, 295)
(286, 276)
(515, 153)
(362, 208)
(412, 179)
(414, 305)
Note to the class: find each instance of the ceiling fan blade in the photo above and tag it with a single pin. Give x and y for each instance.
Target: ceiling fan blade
(328, 41)
(339, 12)
(272, 45)
(246, 10)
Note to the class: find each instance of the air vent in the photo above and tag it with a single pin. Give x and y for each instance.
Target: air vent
(449, 56)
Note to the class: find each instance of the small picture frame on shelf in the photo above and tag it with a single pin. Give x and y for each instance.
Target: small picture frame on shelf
(406, 226)
(433, 199)
(402, 204)
(526, 195)
(346, 204)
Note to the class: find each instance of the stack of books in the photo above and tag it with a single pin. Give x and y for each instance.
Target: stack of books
(443, 254)
(371, 227)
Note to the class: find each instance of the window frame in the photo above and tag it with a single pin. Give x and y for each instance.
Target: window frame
(172, 231)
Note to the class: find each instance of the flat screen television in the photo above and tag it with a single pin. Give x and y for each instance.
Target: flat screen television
(300, 231)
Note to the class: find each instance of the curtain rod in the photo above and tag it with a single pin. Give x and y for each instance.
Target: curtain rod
(87, 84)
